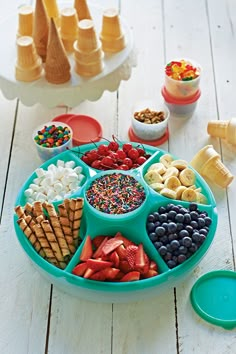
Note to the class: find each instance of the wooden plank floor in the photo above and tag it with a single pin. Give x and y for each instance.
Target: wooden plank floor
(36, 317)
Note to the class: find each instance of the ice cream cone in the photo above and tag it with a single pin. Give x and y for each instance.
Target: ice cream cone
(88, 70)
(203, 155)
(223, 129)
(87, 37)
(69, 27)
(82, 9)
(25, 21)
(112, 38)
(40, 29)
(57, 66)
(217, 172)
(52, 11)
(87, 57)
(29, 64)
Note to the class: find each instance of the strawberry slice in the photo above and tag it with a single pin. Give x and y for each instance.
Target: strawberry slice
(153, 265)
(98, 240)
(125, 267)
(98, 264)
(88, 273)
(80, 269)
(98, 276)
(140, 257)
(115, 259)
(150, 273)
(87, 250)
(131, 276)
(121, 251)
(98, 252)
(111, 273)
(131, 255)
(111, 245)
(126, 242)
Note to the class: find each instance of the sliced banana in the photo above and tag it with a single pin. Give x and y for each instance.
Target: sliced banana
(189, 195)
(201, 198)
(179, 190)
(166, 160)
(172, 182)
(187, 177)
(180, 164)
(153, 177)
(156, 186)
(159, 167)
(169, 193)
(171, 171)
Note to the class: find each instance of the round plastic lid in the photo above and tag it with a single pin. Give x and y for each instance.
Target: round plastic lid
(156, 142)
(213, 297)
(170, 99)
(86, 129)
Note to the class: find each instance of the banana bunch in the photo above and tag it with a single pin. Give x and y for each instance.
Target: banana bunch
(174, 179)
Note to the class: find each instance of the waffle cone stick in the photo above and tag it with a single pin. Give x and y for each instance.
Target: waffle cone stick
(45, 244)
(28, 209)
(29, 233)
(20, 212)
(57, 230)
(65, 224)
(49, 233)
(38, 209)
(78, 210)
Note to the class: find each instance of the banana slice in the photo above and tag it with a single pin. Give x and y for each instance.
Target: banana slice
(189, 195)
(179, 190)
(166, 160)
(187, 177)
(201, 198)
(169, 193)
(159, 167)
(171, 171)
(156, 186)
(180, 164)
(153, 177)
(172, 182)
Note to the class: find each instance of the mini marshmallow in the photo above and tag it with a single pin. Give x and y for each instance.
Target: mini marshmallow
(40, 172)
(70, 164)
(48, 181)
(78, 169)
(58, 187)
(60, 163)
(28, 193)
(34, 187)
(73, 177)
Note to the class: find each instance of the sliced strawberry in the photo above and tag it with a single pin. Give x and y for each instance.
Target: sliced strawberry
(98, 240)
(153, 265)
(98, 264)
(121, 251)
(115, 259)
(111, 273)
(126, 242)
(98, 252)
(140, 257)
(131, 254)
(98, 276)
(150, 273)
(88, 272)
(131, 276)
(80, 269)
(87, 250)
(125, 267)
(111, 245)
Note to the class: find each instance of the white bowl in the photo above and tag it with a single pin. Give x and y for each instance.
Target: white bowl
(46, 153)
(146, 131)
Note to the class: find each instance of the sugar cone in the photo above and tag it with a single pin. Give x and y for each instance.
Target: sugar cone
(29, 64)
(25, 21)
(69, 27)
(57, 66)
(223, 129)
(87, 57)
(111, 36)
(52, 10)
(87, 38)
(40, 29)
(217, 172)
(90, 69)
(203, 155)
(82, 9)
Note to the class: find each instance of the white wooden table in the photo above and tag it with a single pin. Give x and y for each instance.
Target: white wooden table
(35, 317)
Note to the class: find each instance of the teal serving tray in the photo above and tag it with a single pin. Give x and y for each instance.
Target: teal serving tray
(132, 225)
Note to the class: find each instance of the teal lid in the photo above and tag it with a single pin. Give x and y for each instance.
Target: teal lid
(213, 297)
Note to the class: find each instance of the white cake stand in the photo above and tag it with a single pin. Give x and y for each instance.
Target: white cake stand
(117, 67)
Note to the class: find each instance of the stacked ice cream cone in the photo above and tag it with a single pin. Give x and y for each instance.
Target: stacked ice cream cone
(25, 21)
(112, 38)
(208, 163)
(223, 129)
(29, 64)
(87, 50)
(57, 66)
(40, 29)
(52, 11)
(82, 10)
(69, 28)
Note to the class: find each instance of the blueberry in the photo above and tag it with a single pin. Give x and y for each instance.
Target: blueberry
(181, 258)
(183, 250)
(156, 215)
(158, 244)
(150, 226)
(179, 218)
(162, 210)
(208, 221)
(193, 206)
(202, 238)
(194, 215)
(169, 206)
(160, 231)
(193, 248)
(168, 256)
(162, 250)
(201, 222)
(189, 229)
(179, 226)
(172, 227)
(157, 223)
(164, 239)
(187, 218)
(176, 208)
(165, 225)
(183, 211)
(171, 264)
(194, 224)
(187, 242)
(163, 218)
(196, 237)
(172, 237)
(153, 237)
(183, 233)
(171, 215)
(203, 232)
(151, 218)
(174, 245)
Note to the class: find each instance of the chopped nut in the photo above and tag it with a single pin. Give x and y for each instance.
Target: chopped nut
(148, 116)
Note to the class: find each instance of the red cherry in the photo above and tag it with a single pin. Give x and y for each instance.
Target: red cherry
(107, 161)
(86, 159)
(136, 165)
(103, 150)
(123, 167)
(96, 164)
(141, 160)
(93, 155)
(113, 146)
(126, 147)
(133, 154)
(115, 166)
(140, 151)
(113, 155)
(127, 161)
(121, 154)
